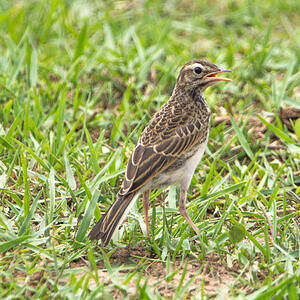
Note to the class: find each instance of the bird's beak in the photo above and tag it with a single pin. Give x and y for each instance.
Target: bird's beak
(211, 77)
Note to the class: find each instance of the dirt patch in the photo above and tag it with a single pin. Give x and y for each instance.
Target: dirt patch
(212, 275)
(95, 133)
(289, 115)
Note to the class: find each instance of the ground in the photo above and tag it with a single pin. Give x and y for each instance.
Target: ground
(79, 80)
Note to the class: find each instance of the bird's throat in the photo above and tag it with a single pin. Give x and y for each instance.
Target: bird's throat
(197, 95)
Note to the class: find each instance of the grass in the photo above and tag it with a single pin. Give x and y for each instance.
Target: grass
(78, 82)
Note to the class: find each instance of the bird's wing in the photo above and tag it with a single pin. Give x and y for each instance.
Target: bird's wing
(160, 145)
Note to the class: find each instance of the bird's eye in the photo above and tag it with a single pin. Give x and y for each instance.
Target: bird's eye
(197, 70)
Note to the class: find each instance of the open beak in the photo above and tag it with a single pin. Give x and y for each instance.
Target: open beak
(211, 77)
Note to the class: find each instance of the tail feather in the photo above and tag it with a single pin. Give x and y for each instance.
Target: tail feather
(114, 216)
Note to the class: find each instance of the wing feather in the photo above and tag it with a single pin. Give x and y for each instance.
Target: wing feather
(146, 162)
(170, 133)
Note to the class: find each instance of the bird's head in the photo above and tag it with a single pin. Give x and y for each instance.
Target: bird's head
(199, 74)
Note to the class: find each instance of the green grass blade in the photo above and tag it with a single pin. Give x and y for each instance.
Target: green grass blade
(85, 222)
(81, 42)
(33, 68)
(28, 218)
(69, 173)
(32, 153)
(94, 161)
(5, 143)
(26, 198)
(242, 138)
(51, 184)
(277, 131)
(5, 246)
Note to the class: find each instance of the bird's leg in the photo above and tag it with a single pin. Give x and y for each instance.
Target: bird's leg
(183, 211)
(146, 196)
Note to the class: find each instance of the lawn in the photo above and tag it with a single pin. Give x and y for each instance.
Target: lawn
(79, 80)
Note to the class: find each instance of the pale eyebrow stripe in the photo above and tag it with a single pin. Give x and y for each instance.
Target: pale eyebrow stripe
(194, 66)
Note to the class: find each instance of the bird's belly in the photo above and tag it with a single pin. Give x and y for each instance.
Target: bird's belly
(181, 172)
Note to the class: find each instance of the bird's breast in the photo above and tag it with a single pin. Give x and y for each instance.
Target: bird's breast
(182, 170)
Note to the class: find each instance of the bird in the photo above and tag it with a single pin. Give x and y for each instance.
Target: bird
(168, 150)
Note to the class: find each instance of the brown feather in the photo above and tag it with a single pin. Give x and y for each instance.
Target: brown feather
(108, 223)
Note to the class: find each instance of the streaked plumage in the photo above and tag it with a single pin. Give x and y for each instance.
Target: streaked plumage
(169, 148)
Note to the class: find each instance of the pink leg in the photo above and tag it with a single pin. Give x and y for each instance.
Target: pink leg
(146, 196)
(183, 211)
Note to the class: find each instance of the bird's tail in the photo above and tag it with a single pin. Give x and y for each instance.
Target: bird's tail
(113, 217)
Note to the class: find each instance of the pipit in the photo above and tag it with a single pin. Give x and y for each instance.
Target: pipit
(169, 149)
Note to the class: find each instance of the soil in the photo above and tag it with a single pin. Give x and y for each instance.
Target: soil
(212, 275)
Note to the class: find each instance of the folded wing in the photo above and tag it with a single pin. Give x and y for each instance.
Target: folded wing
(150, 159)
